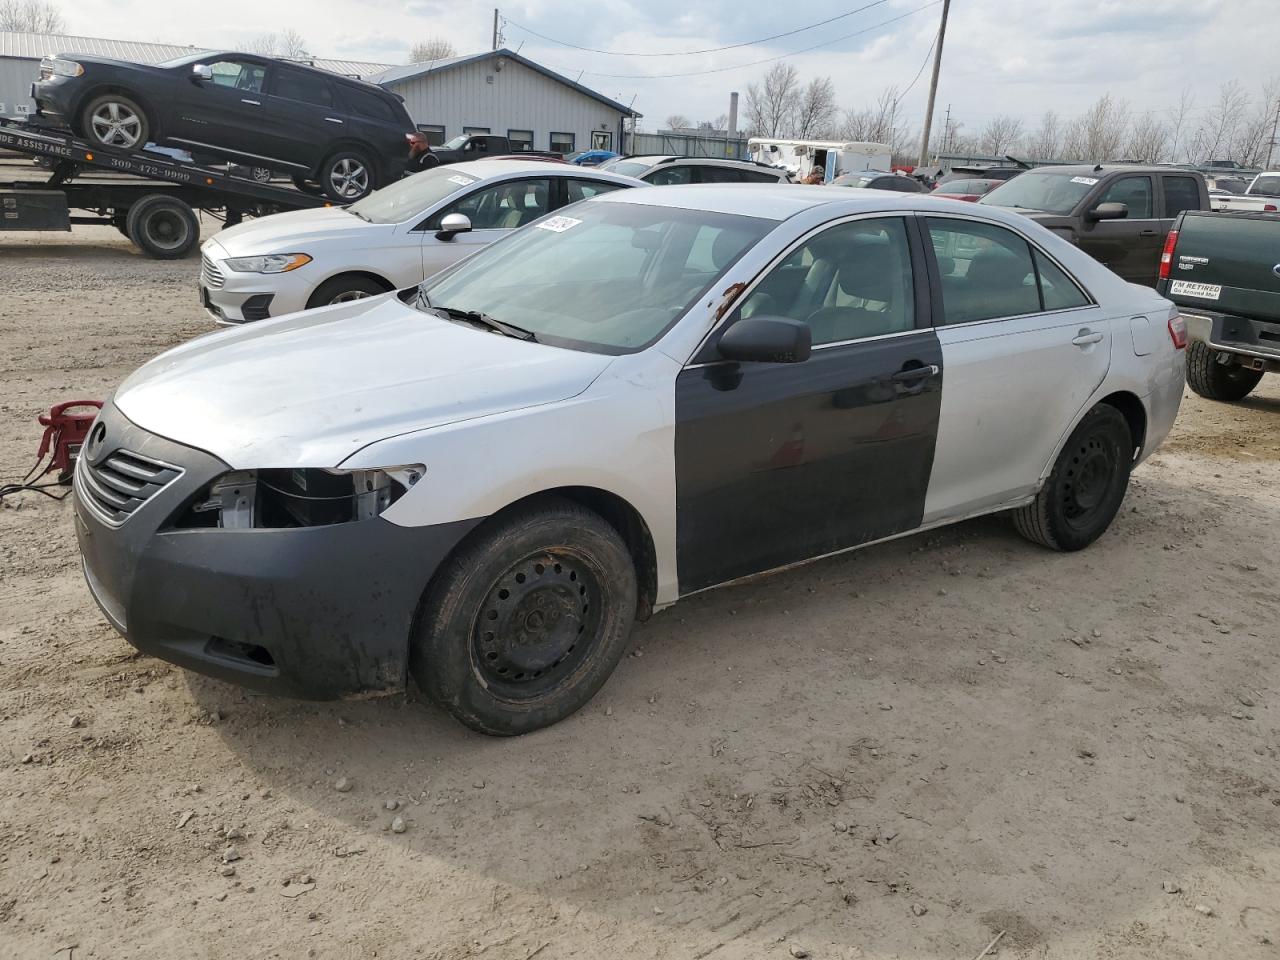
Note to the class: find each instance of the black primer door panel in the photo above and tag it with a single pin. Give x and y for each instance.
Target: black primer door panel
(777, 463)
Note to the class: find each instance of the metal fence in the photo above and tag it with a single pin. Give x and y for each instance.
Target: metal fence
(681, 145)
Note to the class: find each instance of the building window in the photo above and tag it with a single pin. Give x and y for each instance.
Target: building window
(434, 133)
(474, 131)
(520, 140)
(562, 143)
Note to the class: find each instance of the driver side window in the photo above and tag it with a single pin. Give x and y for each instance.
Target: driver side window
(504, 206)
(248, 77)
(1134, 193)
(848, 282)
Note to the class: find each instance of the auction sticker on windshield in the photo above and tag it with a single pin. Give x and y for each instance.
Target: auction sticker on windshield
(461, 180)
(1189, 288)
(559, 224)
(1087, 181)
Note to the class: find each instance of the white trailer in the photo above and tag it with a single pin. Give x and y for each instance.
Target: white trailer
(834, 157)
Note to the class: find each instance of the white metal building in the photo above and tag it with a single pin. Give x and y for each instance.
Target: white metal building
(501, 92)
(20, 55)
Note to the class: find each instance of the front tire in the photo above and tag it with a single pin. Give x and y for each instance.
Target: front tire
(527, 620)
(344, 289)
(347, 176)
(164, 228)
(1086, 486)
(115, 121)
(1214, 380)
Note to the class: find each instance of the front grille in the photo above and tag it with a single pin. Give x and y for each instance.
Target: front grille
(120, 484)
(212, 276)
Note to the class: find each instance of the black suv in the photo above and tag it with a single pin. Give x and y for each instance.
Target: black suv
(346, 136)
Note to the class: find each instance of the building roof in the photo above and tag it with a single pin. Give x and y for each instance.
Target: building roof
(415, 70)
(33, 46)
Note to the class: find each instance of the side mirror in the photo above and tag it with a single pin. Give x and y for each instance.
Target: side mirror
(1109, 211)
(452, 225)
(767, 340)
(201, 72)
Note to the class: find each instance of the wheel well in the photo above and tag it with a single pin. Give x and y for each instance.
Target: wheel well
(356, 145)
(116, 88)
(383, 282)
(1135, 416)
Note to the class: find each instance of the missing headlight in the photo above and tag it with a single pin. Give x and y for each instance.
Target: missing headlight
(282, 498)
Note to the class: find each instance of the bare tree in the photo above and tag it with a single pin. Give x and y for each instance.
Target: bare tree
(1099, 133)
(999, 135)
(1046, 142)
(289, 44)
(856, 124)
(432, 48)
(1178, 120)
(678, 121)
(816, 109)
(1212, 138)
(770, 106)
(1149, 139)
(31, 16)
(1252, 137)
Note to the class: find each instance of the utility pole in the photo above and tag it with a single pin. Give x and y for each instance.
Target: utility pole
(1271, 145)
(933, 85)
(495, 32)
(946, 130)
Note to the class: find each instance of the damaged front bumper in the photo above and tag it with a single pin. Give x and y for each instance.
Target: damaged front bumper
(311, 612)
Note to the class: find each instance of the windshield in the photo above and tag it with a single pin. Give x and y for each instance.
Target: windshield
(854, 180)
(411, 196)
(630, 168)
(1230, 185)
(1050, 192)
(1266, 185)
(964, 186)
(457, 142)
(601, 276)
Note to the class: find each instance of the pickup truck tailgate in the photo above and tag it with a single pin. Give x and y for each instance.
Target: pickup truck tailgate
(1227, 263)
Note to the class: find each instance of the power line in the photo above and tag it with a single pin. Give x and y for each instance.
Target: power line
(685, 53)
(755, 63)
(924, 63)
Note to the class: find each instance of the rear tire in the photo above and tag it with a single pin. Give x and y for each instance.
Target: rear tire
(115, 121)
(164, 228)
(347, 176)
(343, 289)
(1214, 380)
(527, 620)
(1086, 486)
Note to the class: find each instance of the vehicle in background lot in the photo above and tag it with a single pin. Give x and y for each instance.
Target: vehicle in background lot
(466, 146)
(1231, 186)
(833, 157)
(984, 173)
(1118, 214)
(970, 190)
(389, 240)
(592, 158)
(336, 135)
(484, 484)
(1262, 195)
(880, 180)
(1223, 272)
(664, 171)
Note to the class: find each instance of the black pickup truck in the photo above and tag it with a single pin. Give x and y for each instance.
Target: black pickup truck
(467, 146)
(1223, 272)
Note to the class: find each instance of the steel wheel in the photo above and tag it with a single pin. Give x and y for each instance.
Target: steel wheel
(349, 178)
(116, 124)
(1087, 478)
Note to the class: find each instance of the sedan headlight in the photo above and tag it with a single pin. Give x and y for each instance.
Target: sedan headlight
(56, 67)
(273, 263)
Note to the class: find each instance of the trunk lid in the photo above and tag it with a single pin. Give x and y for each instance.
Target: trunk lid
(1227, 263)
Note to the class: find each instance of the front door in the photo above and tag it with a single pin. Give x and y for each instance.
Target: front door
(227, 112)
(778, 463)
(494, 211)
(1130, 246)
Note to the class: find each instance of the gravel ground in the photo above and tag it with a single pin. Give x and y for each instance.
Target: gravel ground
(901, 752)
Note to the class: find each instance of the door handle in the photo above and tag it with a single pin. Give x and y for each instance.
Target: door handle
(256, 103)
(333, 120)
(1148, 233)
(1086, 337)
(908, 374)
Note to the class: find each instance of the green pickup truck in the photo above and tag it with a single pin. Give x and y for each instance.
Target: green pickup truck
(1223, 272)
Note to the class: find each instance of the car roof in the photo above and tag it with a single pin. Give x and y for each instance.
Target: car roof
(309, 68)
(484, 169)
(1088, 169)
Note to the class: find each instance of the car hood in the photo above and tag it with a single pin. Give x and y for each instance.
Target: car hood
(291, 232)
(88, 58)
(312, 388)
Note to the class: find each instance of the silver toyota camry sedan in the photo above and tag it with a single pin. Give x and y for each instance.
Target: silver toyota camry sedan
(483, 481)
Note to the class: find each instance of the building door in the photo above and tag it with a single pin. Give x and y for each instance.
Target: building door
(601, 140)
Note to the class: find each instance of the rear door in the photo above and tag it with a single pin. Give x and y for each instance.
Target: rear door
(306, 115)
(781, 462)
(1130, 246)
(1024, 347)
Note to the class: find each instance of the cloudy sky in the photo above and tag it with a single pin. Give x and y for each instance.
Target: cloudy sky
(1001, 56)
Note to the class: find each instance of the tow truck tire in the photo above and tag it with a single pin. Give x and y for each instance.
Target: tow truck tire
(116, 121)
(163, 228)
(1084, 490)
(527, 619)
(1214, 380)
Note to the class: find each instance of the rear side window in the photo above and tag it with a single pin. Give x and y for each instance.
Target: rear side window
(296, 85)
(1180, 193)
(758, 176)
(1134, 193)
(586, 189)
(710, 174)
(365, 103)
(986, 271)
(1056, 288)
(665, 176)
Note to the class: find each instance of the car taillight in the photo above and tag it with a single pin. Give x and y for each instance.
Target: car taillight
(1166, 255)
(1269, 208)
(1178, 331)
(971, 197)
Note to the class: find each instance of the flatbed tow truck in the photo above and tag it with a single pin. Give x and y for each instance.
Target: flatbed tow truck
(150, 198)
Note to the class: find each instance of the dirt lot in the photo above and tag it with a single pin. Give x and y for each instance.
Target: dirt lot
(896, 753)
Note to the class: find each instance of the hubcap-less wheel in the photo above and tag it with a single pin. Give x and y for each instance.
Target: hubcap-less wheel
(536, 625)
(349, 178)
(166, 230)
(1087, 480)
(116, 125)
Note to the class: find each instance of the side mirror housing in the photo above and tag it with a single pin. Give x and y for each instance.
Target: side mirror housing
(201, 73)
(767, 340)
(452, 225)
(1109, 211)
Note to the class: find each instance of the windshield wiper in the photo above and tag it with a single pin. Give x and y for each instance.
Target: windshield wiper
(477, 318)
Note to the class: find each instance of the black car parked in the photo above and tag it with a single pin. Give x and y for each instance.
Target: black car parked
(332, 134)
